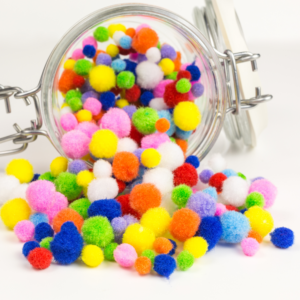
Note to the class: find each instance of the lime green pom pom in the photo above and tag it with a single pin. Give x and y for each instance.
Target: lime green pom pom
(144, 120)
(173, 140)
(75, 104)
(183, 86)
(242, 175)
(81, 206)
(66, 184)
(185, 260)
(82, 67)
(255, 199)
(172, 76)
(47, 176)
(45, 243)
(158, 45)
(101, 34)
(181, 195)
(109, 251)
(72, 94)
(125, 80)
(150, 254)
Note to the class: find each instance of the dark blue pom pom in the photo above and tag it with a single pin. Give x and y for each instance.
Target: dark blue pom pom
(89, 51)
(107, 100)
(242, 211)
(146, 97)
(211, 230)
(171, 110)
(35, 177)
(28, 246)
(130, 66)
(108, 208)
(164, 265)
(172, 252)
(67, 245)
(43, 230)
(282, 237)
(195, 72)
(193, 160)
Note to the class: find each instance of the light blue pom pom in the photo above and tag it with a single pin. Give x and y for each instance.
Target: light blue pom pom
(118, 65)
(184, 135)
(167, 115)
(212, 192)
(229, 172)
(125, 42)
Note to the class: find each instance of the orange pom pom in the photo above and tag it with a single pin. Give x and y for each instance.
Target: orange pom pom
(65, 215)
(255, 235)
(184, 224)
(125, 166)
(162, 245)
(144, 39)
(143, 265)
(182, 144)
(130, 32)
(177, 61)
(66, 81)
(96, 55)
(99, 116)
(144, 196)
(162, 125)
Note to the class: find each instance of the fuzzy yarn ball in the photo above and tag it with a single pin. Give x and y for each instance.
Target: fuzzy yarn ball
(149, 254)
(58, 165)
(102, 78)
(255, 199)
(162, 125)
(77, 166)
(127, 145)
(119, 225)
(103, 59)
(172, 156)
(125, 166)
(21, 169)
(255, 235)
(143, 265)
(154, 140)
(217, 180)
(164, 265)
(87, 128)
(67, 215)
(185, 260)
(130, 110)
(24, 231)
(38, 218)
(42, 231)
(109, 251)
(144, 120)
(84, 178)
(101, 34)
(144, 39)
(92, 256)
(181, 195)
(153, 54)
(185, 174)
(125, 255)
(92, 105)
(108, 100)
(250, 246)
(66, 184)
(102, 169)
(150, 158)
(40, 258)
(68, 122)
(203, 204)
(102, 188)
(28, 247)
(197, 246)
(282, 237)
(108, 208)
(162, 245)
(149, 75)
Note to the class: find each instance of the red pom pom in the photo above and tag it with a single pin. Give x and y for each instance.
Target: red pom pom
(135, 135)
(40, 258)
(121, 185)
(172, 97)
(126, 208)
(184, 74)
(133, 94)
(78, 81)
(123, 51)
(185, 174)
(116, 90)
(231, 207)
(217, 181)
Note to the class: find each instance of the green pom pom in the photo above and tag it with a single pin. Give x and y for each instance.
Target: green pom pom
(45, 243)
(172, 76)
(81, 206)
(47, 176)
(125, 80)
(75, 104)
(144, 120)
(150, 254)
(159, 45)
(185, 260)
(181, 195)
(242, 175)
(173, 140)
(101, 34)
(72, 94)
(66, 184)
(97, 231)
(255, 199)
(109, 251)
(82, 67)
(183, 86)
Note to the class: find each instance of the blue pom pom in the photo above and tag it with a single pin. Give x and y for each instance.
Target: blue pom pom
(35, 177)
(210, 229)
(193, 160)
(77, 166)
(130, 66)
(195, 72)
(211, 191)
(125, 42)
(282, 237)
(257, 178)
(89, 51)
(229, 173)
(164, 265)
(235, 227)
(43, 230)
(107, 100)
(134, 183)
(172, 252)
(205, 175)
(67, 245)
(118, 65)
(184, 135)
(38, 218)
(166, 114)
(242, 211)
(28, 246)
(108, 208)
(146, 97)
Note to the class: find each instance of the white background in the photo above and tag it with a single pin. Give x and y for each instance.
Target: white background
(28, 32)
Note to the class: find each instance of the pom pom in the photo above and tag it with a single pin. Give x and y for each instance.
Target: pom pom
(89, 51)
(77, 166)
(135, 135)
(68, 122)
(58, 202)
(102, 169)
(130, 110)
(217, 162)
(92, 105)
(89, 41)
(146, 97)
(125, 42)
(28, 247)
(66, 215)
(8, 184)
(102, 78)
(167, 66)
(250, 246)
(125, 166)
(66, 80)
(183, 86)
(184, 135)
(255, 199)
(82, 67)
(112, 50)
(133, 94)
(149, 254)
(125, 255)
(43, 230)
(205, 175)
(102, 188)
(185, 260)
(125, 80)
(185, 174)
(38, 218)
(21, 169)
(153, 54)
(197, 246)
(109, 251)
(172, 98)
(154, 140)
(181, 195)
(149, 75)
(193, 160)
(183, 74)
(103, 59)
(69, 64)
(197, 90)
(255, 235)
(24, 231)
(164, 265)
(107, 208)
(107, 100)
(101, 34)
(84, 178)
(217, 180)
(125, 207)
(126, 145)
(144, 120)
(168, 51)
(75, 104)
(118, 65)
(220, 209)
(144, 39)
(162, 245)
(77, 54)
(150, 158)
(67, 185)
(58, 165)
(45, 243)
(92, 256)
(195, 72)
(143, 265)
(159, 90)
(171, 156)
(203, 204)
(119, 225)
(162, 125)
(158, 104)
(40, 258)
(81, 206)
(211, 191)
(282, 237)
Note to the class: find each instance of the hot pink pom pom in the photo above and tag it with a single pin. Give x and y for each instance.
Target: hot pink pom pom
(77, 54)
(118, 121)
(267, 189)
(141, 27)
(24, 231)
(88, 128)
(68, 122)
(125, 255)
(58, 202)
(90, 41)
(39, 195)
(220, 209)
(184, 66)
(160, 88)
(93, 105)
(75, 144)
(250, 246)
(154, 140)
(133, 56)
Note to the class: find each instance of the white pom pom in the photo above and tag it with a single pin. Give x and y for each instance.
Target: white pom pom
(20, 191)
(117, 36)
(158, 104)
(8, 183)
(235, 191)
(149, 75)
(102, 188)
(66, 110)
(127, 144)
(153, 54)
(168, 204)
(102, 169)
(200, 186)
(162, 178)
(217, 162)
(171, 156)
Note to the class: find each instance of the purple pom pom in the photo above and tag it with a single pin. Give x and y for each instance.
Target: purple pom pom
(103, 59)
(168, 51)
(89, 94)
(130, 110)
(130, 219)
(77, 166)
(205, 175)
(197, 89)
(203, 204)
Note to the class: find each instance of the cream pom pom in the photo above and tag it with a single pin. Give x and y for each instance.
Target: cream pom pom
(127, 144)
(102, 188)
(153, 54)
(217, 162)
(102, 169)
(8, 183)
(117, 36)
(149, 75)
(158, 104)
(171, 156)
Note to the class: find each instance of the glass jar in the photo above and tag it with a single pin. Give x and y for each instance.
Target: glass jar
(218, 74)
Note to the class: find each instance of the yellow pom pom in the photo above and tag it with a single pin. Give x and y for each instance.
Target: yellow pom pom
(115, 27)
(21, 169)
(102, 78)
(187, 116)
(139, 237)
(104, 144)
(85, 191)
(150, 158)
(14, 211)
(122, 103)
(64, 105)
(112, 50)
(84, 178)
(260, 220)
(92, 256)
(58, 165)
(157, 219)
(167, 66)
(197, 246)
(69, 64)
(84, 116)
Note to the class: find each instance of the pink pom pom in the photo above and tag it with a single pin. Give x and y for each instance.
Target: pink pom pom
(68, 122)
(88, 128)
(220, 209)
(184, 66)
(160, 88)
(118, 121)
(75, 144)
(93, 105)
(141, 27)
(77, 54)
(90, 41)
(154, 140)
(125, 255)
(133, 56)
(39, 194)
(267, 189)
(24, 231)
(58, 202)
(250, 246)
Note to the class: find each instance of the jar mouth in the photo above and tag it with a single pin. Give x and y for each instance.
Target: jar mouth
(203, 139)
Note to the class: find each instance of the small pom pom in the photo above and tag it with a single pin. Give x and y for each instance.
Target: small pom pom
(125, 42)
(108, 208)
(197, 246)
(162, 125)
(21, 169)
(102, 169)
(255, 235)
(102, 188)
(150, 158)
(118, 65)
(205, 175)
(58, 165)
(40, 258)
(101, 34)
(149, 75)
(171, 156)
(144, 39)
(81, 206)
(66, 81)
(89, 51)
(195, 72)
(125, 80)
(144, 120)
(102, 78)
(28, 247)
(125, 207)
(153, 54)
(164, 265)
(125, 255)
(107, 100)
(125, 166)
(133, 94)
(250, 246)
(172, 98)
(146, 97)
(217, 180)
(185, 260)
(185, 174)
(84, 178)
(181, 195)
(143, 265)
(183, 86)
(24, 231)
(112, 50)
(66, 184)
(167, 66)
(66, 215)
(193, 160)
(82, 67)
(37, 218)
(43, 230)
(103, 59)
(162, 245)
(68, 122)
(92, 256)
(282, 237)
(197, 90)
(92, 105)
(255, 199)
(77, 166)
(203, 204)
(109, 251)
